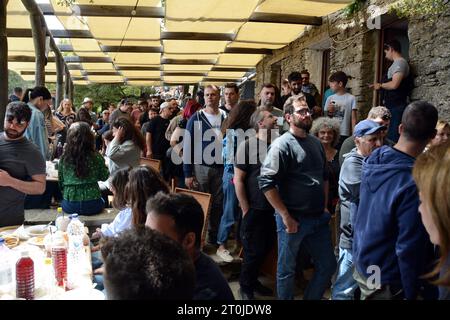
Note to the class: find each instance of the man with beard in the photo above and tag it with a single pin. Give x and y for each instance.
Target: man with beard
(295, 182)
(296, 83)
(22, 167)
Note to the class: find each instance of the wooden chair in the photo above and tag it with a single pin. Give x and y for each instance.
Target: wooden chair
(152, 163)
(205, 202)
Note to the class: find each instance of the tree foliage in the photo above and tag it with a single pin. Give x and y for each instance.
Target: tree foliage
(15, 80)
(423, 8)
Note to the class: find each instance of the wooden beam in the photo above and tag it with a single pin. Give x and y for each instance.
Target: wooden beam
(72, 59)
(27, 59)
(71, 89)
(3, 63)
(248, 51)
(77, 34)
(80, 78)
(143, 79)
(233, 69)
(26, 33)
(67, 82)
(131, 49)
(197, 36)
(137, 68)
(65, 48)
(120, 11)
(221, 80)
(285, 18)
(102, 73)
(74, 67)
(187, 61)
(187, 74)
(32, 73)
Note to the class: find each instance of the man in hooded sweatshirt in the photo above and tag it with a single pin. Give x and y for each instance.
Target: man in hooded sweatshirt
(391, 248)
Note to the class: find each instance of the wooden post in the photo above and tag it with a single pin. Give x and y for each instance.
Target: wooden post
(59, 74)
(38, 31)
(71, 90)
(66, 82)
(3, 63)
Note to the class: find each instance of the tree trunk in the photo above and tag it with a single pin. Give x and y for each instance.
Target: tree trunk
(38, 31)
(59, 74)
(66, 83)
(71, 90)
(3, 63)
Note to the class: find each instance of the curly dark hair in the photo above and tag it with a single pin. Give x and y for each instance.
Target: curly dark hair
(144, 264)
(131, 132)
(79, 149)
(144, 182)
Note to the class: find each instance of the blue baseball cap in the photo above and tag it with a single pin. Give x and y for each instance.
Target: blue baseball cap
(366, 127)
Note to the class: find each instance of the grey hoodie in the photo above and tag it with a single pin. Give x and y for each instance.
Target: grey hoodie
(349, 183)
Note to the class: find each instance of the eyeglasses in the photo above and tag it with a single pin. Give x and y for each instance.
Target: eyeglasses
(11, 118)
(303, 112)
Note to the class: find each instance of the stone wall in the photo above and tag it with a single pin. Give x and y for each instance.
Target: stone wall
(430, 57)
(354, 50)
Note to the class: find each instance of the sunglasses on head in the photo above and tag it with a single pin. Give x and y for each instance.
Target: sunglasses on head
(10, 118)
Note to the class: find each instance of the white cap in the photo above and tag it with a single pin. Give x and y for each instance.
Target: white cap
(163, 106)
(87, 100)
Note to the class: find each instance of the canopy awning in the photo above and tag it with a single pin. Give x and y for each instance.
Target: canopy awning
(140, 42)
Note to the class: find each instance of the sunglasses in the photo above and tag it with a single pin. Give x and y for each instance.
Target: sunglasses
(386, 117)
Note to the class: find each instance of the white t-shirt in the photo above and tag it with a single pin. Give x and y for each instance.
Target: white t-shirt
(215, 120)
(344, 104)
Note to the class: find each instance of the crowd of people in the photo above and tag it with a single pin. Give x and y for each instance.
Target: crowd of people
(277, 170)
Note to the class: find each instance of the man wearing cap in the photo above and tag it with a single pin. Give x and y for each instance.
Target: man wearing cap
(89, 104)
(157, 144)
(124, 110)
(367, 136)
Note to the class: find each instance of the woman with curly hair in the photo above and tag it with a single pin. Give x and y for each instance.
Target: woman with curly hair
(432, 175)
(80, 169)
(327, 131)
(144, 182)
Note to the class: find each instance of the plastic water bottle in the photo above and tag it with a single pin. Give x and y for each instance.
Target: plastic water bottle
(6, 282)
(25, 277)
(59, 260)
(75, 253)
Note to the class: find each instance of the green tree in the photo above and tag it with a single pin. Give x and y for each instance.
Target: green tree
(15, 80)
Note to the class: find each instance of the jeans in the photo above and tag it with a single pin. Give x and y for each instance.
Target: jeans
(97, 262)
(345, 285)
(87, 208)
(43, 201)
(210, 181)
(315, 233)
(397, 113)
(230, 207)
(258, 237)
(382, 292)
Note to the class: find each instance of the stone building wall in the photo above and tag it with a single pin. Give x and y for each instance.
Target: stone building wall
(354, 49)
(430, 57)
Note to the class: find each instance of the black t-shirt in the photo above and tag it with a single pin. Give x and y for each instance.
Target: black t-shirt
(144, 118)
(224, 109)
(249, 157)
(210, 284)
(22, 160)
(157, 127)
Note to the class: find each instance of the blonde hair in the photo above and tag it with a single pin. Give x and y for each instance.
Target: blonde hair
(60, 108)
(432, 175)
(441, 124)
